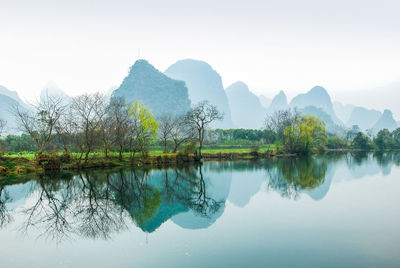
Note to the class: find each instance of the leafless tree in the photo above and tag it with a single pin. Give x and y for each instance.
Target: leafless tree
(200, 117)
(181, 133)
(40, 121)
(87, 107)
(166, 123)
(280, 120)
(67, 128)
(105, 126)
(118, 116)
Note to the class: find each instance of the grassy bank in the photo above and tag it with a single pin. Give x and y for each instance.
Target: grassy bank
(14, 164)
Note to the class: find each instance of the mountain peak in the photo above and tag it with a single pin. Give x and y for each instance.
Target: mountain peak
(203, 83)
(318, 97)
(385, 121)
(279, 102)
(242, 99)
(160, 93)
(238, 86)
(387, 113)
(12, 94)
(318, 89)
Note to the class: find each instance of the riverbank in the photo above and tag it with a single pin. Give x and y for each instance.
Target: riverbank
(20, 165)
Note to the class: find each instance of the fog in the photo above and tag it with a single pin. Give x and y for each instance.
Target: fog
(346, 46)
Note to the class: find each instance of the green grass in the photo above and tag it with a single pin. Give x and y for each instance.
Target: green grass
(223, 148)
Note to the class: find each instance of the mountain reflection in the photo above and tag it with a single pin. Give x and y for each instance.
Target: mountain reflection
(99, 204)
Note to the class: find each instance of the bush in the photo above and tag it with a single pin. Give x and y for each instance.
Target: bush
(48, 161)
(336, 143)
(190, 148)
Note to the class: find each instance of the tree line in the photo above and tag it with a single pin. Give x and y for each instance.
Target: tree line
(88, 123)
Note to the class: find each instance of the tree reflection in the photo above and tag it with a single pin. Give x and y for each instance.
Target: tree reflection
(99, 204)
(5, 217)
(289, 176)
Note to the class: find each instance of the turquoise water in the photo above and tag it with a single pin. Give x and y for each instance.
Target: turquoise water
(330, 211)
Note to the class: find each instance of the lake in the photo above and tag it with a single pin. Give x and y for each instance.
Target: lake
(337, 210)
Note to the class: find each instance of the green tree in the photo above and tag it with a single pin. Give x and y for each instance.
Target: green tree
(304, 135)
(396, 138)
(361, 141)
(143, 128)
(384, 139)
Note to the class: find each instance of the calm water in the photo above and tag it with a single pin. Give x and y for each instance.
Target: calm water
(332, 211)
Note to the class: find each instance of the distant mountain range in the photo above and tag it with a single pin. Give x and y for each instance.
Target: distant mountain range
(242, 99)
(188, 82)
(363, 117)
(203, 83)
(317, 97)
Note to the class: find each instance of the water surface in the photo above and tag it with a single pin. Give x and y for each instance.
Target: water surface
(329, 211)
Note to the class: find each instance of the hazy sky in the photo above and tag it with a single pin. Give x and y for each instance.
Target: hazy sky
(344, 45)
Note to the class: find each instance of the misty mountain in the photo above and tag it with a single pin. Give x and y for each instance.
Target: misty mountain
(385, 121)
(246, 109)
(380, 98)
(13, 95)
(279, 102)
(363, 117)
(6, 106)
(53, 91)
(8, 100)
(331, 126)
(342, 111)
(203, 83)
(160, 93)
(318, 112)
(265, 101)
(318, 97)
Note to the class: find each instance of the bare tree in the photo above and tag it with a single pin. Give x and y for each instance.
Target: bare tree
(40, 122)
(181, 133)
(67, 128)
(86, 107)
(166, 123)
(280, 120)
(200, 117)
(105, 126)
(118, 116)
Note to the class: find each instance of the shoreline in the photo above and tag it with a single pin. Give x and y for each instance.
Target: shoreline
(19, 166)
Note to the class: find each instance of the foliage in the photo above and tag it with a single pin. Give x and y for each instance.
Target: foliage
(336, 143)
(143, 128)
(241, 136)
(396, 138)
(361, 141)
(306, 134)
(384, 139)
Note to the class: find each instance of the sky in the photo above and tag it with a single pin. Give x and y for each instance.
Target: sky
(350, 47)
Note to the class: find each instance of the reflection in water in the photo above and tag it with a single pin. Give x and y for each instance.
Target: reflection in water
(289, 176)
(98, 204)
(5, 216)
